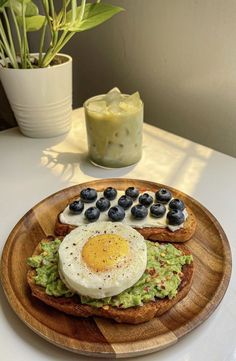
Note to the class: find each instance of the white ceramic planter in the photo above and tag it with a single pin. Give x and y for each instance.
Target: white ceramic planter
(41, 99)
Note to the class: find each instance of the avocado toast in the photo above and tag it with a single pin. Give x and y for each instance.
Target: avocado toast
(164, 283)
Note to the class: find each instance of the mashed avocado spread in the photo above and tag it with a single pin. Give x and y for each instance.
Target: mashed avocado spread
(160, 279)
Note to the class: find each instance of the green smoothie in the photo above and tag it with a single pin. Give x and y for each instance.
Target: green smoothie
(114, 124)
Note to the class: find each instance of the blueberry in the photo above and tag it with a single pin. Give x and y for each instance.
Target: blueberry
(163, 195)
(103, 204)
(139, 211)
(132, 192)
(116, 213)
(92, 214)
(76, 207)
(175, 217)
(125, 202)
(176, 204)
(145, 199)
(88, 195)
(110, 193)
(158, 210)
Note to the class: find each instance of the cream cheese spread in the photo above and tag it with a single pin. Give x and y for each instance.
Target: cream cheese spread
(68, 217)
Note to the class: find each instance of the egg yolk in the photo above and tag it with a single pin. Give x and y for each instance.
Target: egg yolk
(104, 251)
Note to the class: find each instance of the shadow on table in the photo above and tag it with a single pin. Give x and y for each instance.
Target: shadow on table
(69, 162)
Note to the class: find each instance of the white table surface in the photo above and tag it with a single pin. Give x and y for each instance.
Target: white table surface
(32, 169)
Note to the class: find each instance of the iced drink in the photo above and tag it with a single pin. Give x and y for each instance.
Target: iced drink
(114, 128)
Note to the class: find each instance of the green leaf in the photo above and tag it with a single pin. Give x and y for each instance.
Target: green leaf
(23, 1)
(33, 23)
(31, 8)
(94, 15)
(3, 3)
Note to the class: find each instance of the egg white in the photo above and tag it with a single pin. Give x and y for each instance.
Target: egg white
(83, 280)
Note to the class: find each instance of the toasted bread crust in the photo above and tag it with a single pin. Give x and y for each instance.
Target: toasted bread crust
(165, 235)
(133, 315)
(152, 233)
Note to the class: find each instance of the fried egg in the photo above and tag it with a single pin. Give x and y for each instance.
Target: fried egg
(102, 259)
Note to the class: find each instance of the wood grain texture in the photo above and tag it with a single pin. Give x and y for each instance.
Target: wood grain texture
(106, 338)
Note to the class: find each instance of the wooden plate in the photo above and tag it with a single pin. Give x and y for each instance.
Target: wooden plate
(105, 338)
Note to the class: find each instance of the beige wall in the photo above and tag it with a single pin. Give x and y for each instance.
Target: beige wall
(180, 55)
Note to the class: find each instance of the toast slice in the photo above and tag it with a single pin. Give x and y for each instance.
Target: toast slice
(152, 233)
(132, 315)
(165, 235)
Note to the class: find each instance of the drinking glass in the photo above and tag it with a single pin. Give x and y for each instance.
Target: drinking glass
(114, 123)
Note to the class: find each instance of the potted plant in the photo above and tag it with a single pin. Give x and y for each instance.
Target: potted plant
(39, 86)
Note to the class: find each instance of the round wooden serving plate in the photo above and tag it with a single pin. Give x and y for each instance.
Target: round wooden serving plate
(106, 338)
